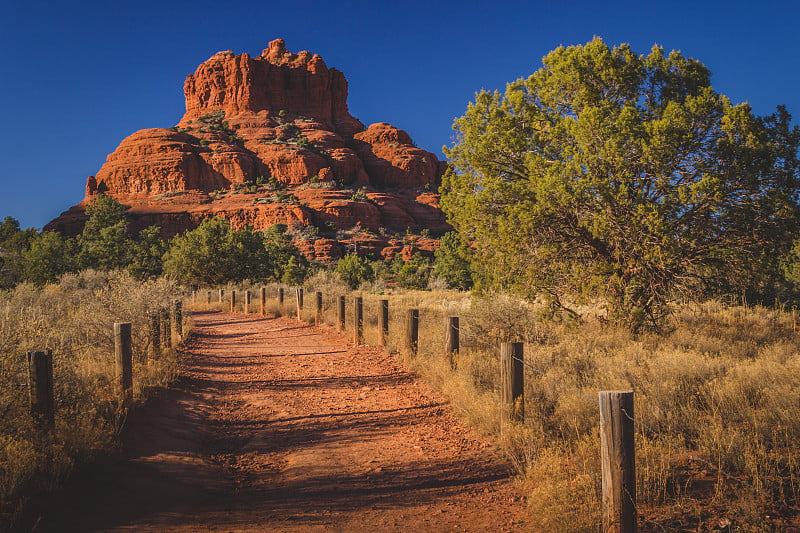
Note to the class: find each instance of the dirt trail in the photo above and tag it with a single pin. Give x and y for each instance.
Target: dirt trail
(280, 426)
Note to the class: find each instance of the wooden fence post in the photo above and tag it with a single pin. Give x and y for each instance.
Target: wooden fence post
(617, 461)
(318, 315)
(280, 295)
(263, 301)
(451, 340)
(166, 328)
(246, 302)
(155, 333)
(177, 323)
(383, 322)
(512, 379)
(340, 315)
(40, 387)
(299, 293)
(123, 355)
(208, 297)
(221, 294)
(358, 320)
(412, 330)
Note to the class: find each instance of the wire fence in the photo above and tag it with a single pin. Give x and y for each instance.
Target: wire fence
(433, 335)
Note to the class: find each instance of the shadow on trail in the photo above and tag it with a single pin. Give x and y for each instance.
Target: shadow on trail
(310, 499)
(200, 456)
(160, 471)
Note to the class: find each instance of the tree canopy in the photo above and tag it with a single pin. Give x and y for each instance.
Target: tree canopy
(215, 253)
(624, 176)
(354, 270)
(450, 262)
(104, 242)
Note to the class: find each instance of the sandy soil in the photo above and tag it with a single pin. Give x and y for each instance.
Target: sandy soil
(280, 426)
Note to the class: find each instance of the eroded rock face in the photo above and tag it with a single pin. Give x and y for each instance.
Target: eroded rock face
(266, 140)
(276, 80)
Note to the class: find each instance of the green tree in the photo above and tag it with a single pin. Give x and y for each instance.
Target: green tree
(214, 253)
(8, 228)
(104, 242)
(49, 256)
(450, 262)
(294, 271)
(412, 274)
(148, 252)
(14, 242)
(286, 260)
(623, 176)
(354, 270)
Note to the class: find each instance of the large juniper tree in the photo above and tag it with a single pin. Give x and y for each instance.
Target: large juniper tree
(623, 176)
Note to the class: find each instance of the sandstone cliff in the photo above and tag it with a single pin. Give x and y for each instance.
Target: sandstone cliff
(266, 140)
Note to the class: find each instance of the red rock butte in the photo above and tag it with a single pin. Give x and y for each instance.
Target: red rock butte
(267, 140)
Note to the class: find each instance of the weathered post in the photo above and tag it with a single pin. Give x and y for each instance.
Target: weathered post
(299, 293)
(318, 314)
(123, 355)
(221, 294)
(412, 331)
(155, 333)
(383, 322)
(208, 297)
(340, 314)
(280, 295)
(617, 461)
(263, 301)
(358, 320)
(511, 376)
(451, 340)
(233, 301)
(177, 323)
(40, 387)
(246, 302)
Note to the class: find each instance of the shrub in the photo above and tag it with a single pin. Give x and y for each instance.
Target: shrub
(287, 132)
(360, 195)
(412, 274)
(104, 242)
(214, 254)
(451, 263)
(354, 270)
(284, 197)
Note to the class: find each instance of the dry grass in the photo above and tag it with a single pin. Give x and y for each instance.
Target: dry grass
(716, 401)
(74, 318)
(716, 404)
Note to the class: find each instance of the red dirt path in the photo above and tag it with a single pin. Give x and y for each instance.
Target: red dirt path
(280, 426)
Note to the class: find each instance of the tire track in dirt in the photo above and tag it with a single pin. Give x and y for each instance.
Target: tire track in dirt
(280, 426)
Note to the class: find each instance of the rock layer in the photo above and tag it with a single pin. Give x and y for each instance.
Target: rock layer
(269, 139)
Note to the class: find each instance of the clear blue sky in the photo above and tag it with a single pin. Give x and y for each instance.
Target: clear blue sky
(77, 77)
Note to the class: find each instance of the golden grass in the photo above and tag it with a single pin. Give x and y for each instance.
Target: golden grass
(717, 400)
(716, 403)
(74, 318)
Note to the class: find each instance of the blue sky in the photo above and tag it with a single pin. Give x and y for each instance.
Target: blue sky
(78, 77)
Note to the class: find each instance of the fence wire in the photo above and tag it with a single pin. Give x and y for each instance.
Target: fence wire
(644, 427)
(675, 450)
